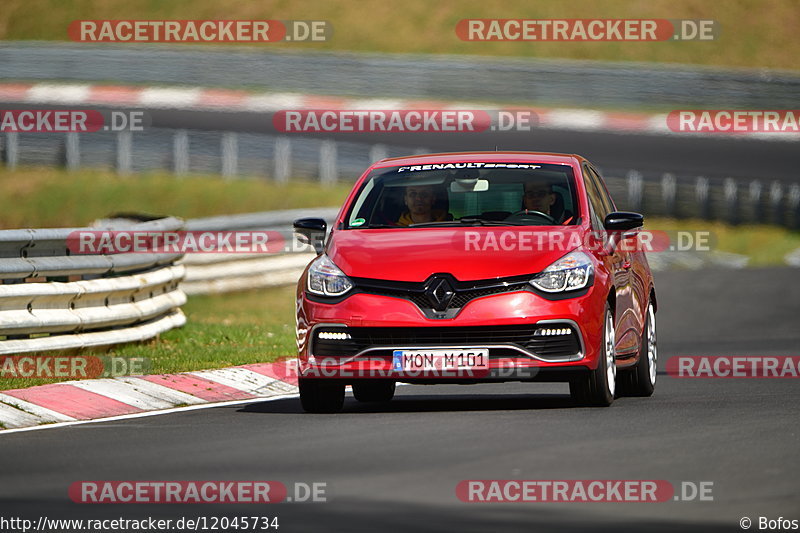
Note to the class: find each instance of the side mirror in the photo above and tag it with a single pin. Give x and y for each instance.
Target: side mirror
(623, 221)
(312, 231)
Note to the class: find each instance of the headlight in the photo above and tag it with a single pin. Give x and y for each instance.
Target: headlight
(325, 278)
(571, 272)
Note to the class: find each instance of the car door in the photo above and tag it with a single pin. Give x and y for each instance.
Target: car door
(619, 264)
(639, 273)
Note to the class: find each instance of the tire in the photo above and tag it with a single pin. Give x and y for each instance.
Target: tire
(597, 387)
(374, 390)
(641, 380)
(321, 395)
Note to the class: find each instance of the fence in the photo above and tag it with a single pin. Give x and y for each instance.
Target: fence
(729, 200)
(51, 300)
(327, 161)
(182, 152)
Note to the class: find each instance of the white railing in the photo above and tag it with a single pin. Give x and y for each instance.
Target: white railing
(211, 273)
(51, 300)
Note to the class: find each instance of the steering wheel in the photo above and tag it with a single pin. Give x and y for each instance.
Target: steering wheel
(532, 213)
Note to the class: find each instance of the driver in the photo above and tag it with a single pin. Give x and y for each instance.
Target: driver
(539, 196)
(419, 200)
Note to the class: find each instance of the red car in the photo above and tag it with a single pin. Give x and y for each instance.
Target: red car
(476, 267)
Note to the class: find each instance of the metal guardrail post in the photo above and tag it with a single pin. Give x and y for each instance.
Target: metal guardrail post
(669, 191)
(378, 152)
(180, 152)
(775, 202)
(703, 198)
(11, 150)
(230, 154)
(72, 151)
(328, 169)
(731, 201)
(635, 191)
(283, 159)
(124, 152)
(794, 206)
(755, 190)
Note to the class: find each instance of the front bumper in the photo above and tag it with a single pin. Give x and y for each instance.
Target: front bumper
(369, 328)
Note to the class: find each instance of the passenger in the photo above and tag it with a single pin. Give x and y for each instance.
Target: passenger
(419, 201)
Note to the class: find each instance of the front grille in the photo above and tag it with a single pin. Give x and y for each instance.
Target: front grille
(547, 347)
(463, 291)
(418, 298)
(463, 297)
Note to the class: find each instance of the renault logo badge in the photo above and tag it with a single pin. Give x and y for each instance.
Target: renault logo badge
(439, 293)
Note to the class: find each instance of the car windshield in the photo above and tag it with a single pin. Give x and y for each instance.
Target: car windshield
(466, 194)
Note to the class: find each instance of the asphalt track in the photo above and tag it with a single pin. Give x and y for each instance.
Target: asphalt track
(651, 154)
(396, 467)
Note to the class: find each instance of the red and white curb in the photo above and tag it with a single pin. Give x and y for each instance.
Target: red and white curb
(92, 399)
(207, 99)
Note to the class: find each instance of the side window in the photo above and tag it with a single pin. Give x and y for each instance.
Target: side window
(599, 209)
(603, 190)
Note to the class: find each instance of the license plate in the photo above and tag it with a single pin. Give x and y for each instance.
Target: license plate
(440, 360)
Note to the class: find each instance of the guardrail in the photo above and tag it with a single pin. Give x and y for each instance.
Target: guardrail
(213, 273)
(730, 200)
(547, 82)
(51, 300)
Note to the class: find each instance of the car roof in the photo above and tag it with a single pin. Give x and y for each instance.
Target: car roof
(504, 156)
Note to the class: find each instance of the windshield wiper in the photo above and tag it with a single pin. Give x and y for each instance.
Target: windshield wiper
(375, 226)
(464, 221)
(435, 223)
(470, 220)
(486, 222)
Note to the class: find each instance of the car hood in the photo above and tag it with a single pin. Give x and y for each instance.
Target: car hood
(467, 253)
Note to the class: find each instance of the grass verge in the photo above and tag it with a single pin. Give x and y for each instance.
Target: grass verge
(765, 245)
